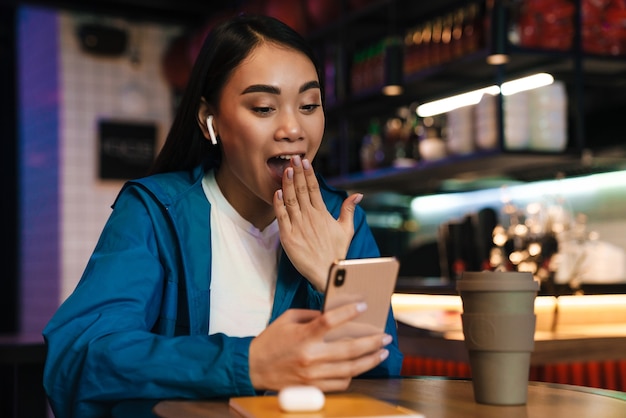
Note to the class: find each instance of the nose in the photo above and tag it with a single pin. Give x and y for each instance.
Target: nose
(289, 127)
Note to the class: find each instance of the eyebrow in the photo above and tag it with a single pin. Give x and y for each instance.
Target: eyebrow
(265, 88)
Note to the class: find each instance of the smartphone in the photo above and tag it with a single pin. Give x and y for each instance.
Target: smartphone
(369, 280)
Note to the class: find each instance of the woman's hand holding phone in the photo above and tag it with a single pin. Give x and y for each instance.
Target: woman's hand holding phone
(293, 350)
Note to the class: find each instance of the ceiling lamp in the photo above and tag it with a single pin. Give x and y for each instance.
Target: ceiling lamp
(498, 34)
(393, 85)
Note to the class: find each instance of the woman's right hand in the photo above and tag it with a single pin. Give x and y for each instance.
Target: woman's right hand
(311, 237)
(292, 351)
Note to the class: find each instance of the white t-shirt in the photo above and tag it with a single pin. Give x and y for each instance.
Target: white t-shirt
(243, 270)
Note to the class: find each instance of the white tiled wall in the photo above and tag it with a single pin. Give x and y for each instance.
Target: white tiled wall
(94, 88)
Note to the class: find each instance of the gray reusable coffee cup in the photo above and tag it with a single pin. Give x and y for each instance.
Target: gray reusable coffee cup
(499, 327)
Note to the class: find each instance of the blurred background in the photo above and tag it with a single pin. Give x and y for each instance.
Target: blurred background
(484, 134)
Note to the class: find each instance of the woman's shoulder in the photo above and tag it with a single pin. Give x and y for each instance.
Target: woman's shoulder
(167, 187)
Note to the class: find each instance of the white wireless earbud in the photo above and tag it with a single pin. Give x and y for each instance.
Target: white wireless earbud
(209, 125)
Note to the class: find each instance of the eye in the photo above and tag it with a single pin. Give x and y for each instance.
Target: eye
(262, 110)
(310, 108)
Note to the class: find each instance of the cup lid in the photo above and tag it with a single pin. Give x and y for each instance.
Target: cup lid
(497, 281)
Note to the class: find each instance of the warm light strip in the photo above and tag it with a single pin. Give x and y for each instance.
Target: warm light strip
(606, 302)
(440, 106)
(426, 302)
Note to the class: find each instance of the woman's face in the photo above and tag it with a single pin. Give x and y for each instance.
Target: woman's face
(269, 110)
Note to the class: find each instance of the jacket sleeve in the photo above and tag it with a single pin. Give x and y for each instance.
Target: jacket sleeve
(363, 246)
(100, 348)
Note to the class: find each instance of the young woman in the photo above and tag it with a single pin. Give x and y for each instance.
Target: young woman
(209, 275)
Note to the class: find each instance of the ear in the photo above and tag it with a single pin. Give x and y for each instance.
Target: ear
(204, 110)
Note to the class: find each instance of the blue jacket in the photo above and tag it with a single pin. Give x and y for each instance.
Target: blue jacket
(136, 326)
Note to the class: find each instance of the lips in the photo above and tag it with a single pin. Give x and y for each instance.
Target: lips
(279, 163)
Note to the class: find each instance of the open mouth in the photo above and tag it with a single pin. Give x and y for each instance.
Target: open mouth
(278, 163)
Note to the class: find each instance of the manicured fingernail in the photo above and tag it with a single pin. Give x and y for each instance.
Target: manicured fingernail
(387, 339)
(280, 194)
(384, 355)
(306, 164)
(358, 198)
(296, 161)
(361, 307)
(289, 173)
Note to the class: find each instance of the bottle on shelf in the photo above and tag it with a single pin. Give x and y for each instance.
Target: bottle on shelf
(357, 71)
(472, 29)
(426, 45)
(445, 52)
(433, 147)
(413, 56)
(456, 43)
(367, 70)
(378, 65)
(398, 138)
(436, 55)
(417, 132)
(444, 38)
(372, 151)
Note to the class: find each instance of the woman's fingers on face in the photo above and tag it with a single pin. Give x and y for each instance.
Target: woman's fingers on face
(301, 189)
(300, 183)
(290, 200)
(313, 186)
(280, 209)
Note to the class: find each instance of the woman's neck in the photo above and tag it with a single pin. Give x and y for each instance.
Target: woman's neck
(253, 209)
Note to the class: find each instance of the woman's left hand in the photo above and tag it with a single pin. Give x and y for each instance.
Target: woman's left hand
(310, 235)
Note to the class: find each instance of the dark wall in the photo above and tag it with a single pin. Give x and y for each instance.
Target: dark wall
(8, 172)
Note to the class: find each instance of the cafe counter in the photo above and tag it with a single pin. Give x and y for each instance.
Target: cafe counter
(578, 340)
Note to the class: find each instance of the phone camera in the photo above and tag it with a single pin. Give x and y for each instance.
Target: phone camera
(340, 277)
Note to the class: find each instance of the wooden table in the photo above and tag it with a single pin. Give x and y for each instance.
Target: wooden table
(448, 398)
